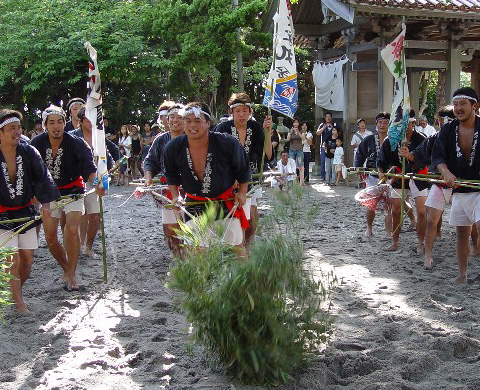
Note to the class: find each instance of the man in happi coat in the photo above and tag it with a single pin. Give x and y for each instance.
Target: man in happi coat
(70, 161)
(24, 177)
(153, 165)
(251, 135)
(456, 155)
(439, 195)
(91, 219)
(366, 155)
(418, 189)
(208, 165)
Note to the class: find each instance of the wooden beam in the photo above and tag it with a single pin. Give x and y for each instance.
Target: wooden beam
(427, 64)
(365, 65)
(317, 30)
(332, 53)
(440, 45)
(363, 47)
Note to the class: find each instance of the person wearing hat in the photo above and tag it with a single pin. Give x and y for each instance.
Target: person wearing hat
(70, 162)
(23, 177)
(418, 189)
(456, 155)
(73, 106)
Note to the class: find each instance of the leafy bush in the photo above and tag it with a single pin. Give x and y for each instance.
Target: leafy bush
(5, 277)
(261, 317)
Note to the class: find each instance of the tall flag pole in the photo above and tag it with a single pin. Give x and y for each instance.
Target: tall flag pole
(94, 113)
(394, 57)
(281, 92)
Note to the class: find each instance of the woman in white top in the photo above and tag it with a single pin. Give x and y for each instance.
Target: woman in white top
(306, 142)
(125, 140)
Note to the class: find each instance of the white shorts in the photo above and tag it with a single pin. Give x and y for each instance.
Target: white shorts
(169, 216)
(233, 235)
(78, 205)
(91, 203)
(27, 240)
(465, 209)
(247, 208)
(416, 192)
(256, 195)
(438, 197)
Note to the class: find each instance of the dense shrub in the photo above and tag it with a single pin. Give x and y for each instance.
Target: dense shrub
(261, 317)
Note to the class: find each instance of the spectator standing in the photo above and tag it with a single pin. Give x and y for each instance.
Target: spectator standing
(307, 143)
(330, 146)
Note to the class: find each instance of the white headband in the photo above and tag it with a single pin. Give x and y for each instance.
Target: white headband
(195, 111)
(175, 110)
(9, 120)
(163, 113)
(464, 97)
(52, 110)
(411, 119)
(240, 104)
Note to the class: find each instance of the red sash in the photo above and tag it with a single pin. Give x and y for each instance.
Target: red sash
(78, 182)
(166, 192)
(238, 213)
(6, 208)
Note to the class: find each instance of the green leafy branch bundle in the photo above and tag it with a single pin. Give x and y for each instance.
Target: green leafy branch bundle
(261, 317)
(5, 277)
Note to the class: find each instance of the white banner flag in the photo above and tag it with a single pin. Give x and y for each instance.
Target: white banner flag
(283, 72)
(328, 80)
(94, 113)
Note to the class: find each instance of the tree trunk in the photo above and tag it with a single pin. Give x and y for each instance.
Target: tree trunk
(224, 89)
(440, 100)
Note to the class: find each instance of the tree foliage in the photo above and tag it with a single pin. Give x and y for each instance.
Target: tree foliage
(148, 50)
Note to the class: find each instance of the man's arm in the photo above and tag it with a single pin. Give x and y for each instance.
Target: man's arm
(267, 126)
(241, 195)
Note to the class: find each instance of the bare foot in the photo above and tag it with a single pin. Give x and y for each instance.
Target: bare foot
(71, 285)
(460, 279)
(428, 262)
(475, 251)
(22, 308)
(90, 253)
(388, 234)
(392, 248)
(368, 232)
(420, 250)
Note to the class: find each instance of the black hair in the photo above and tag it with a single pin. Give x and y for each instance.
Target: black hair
(446, 111)
(382, 115)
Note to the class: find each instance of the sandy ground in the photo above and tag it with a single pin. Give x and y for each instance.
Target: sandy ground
(397, 326)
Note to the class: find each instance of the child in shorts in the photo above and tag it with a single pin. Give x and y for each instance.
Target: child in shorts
(338, 159)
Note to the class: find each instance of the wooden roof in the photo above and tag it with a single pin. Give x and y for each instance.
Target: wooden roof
(440, 6)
